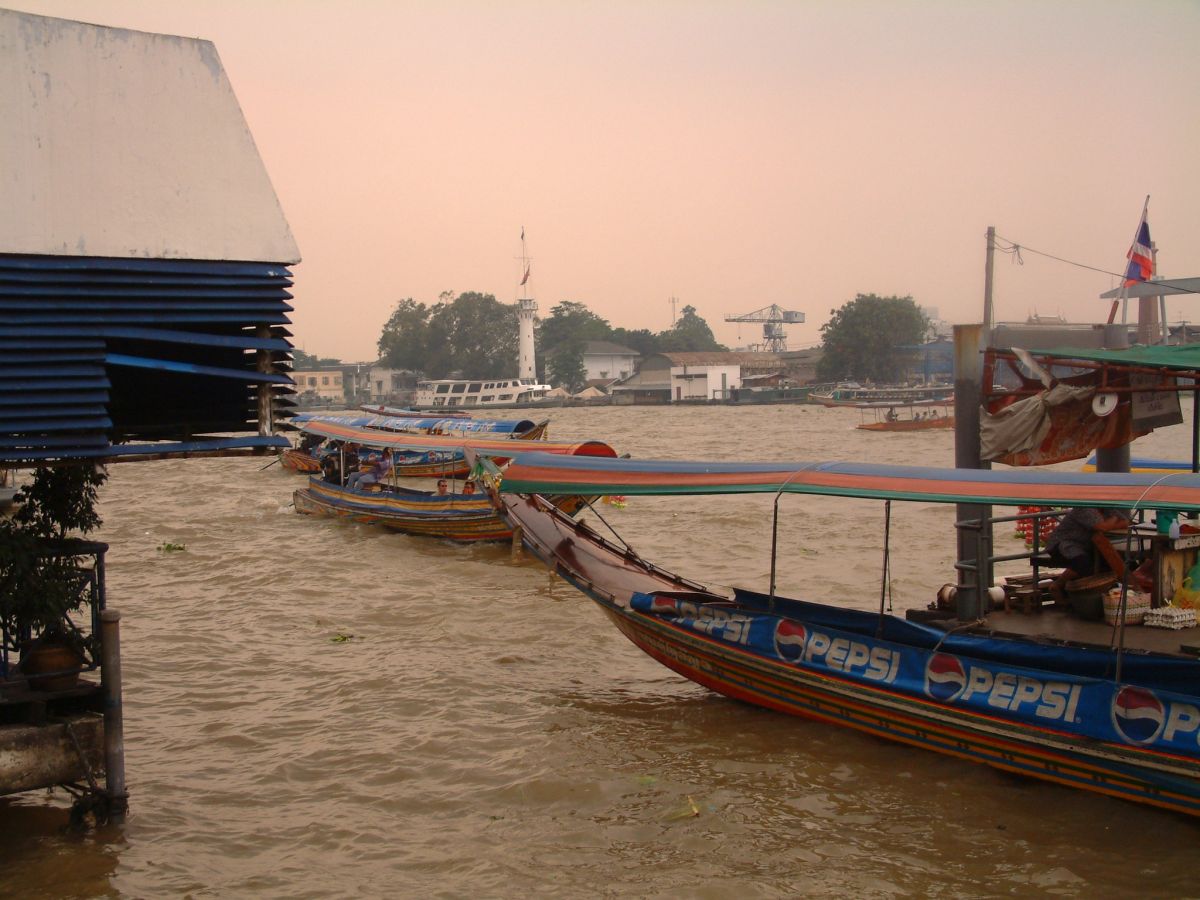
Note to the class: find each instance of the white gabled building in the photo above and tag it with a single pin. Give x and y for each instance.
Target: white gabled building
(677, 377)
(606, 361)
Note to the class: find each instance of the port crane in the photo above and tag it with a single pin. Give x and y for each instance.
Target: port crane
(773, 318)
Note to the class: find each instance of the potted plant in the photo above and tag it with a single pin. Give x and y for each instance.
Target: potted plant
(41, 581)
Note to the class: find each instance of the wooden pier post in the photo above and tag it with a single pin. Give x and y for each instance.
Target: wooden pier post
(114, 718)
(516, 543)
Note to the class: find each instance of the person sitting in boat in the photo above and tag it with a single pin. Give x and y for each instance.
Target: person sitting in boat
(331, 467)
(891, 414)
(372, 474)
(442, 487)
(469, 487)
(1075, 542)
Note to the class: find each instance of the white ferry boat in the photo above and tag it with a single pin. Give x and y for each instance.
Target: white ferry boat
(448, 392)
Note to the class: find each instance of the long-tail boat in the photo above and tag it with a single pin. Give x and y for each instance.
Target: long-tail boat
(1104, 717)
(381, 410)
(925, 416)
(455, 516)
(1146, 464)
(444, 460)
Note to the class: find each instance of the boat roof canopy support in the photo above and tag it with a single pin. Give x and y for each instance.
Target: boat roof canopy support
(542, 473)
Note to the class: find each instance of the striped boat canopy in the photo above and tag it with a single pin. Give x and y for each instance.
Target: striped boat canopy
(399, 423)
(542, 473)
(483, 445)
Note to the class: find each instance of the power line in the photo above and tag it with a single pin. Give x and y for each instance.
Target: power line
(1015, 249)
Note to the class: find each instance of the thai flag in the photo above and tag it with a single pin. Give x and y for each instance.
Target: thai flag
(1141, 263)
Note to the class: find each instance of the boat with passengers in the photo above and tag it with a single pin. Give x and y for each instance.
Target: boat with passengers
(446, 513)
(1118, 713)
(436, 462)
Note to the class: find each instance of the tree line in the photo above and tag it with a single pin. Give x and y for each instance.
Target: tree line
(473, 335)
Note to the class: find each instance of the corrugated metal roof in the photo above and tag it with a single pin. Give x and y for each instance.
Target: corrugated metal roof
(98, 352)
(713, 358)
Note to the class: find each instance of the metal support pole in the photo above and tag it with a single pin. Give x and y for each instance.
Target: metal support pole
(1114, 459)
(114, 717)
(975, 548)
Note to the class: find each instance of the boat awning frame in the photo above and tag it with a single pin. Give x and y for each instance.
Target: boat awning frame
(542, 473)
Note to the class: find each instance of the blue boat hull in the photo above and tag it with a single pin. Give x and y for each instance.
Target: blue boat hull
(1045, 712)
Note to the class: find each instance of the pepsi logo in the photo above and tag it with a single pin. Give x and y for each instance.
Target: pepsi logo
(790, 640)
(1137, 714)
(945, 678)
(664, 606)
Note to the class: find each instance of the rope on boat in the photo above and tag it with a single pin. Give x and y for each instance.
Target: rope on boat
(961, 626)
(616, 534)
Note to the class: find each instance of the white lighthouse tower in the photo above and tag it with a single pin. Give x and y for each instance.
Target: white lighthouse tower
(526, 309)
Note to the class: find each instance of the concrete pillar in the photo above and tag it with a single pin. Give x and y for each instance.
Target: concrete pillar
(114, 717)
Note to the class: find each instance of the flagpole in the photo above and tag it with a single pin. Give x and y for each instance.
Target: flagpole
(1124, 287)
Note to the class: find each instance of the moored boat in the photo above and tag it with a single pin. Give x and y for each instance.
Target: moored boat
(398, 412)
(850, 393)
(463, 516)
(1104, 717)
(456, 393)
(451, 516)
(1146, 464)
(296, 459)
(443, 459)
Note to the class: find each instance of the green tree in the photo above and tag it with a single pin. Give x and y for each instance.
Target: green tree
(865, 338)
(691, 332)
(564, 366)
(302, 360)
(474, 335)
(404, 343)
(569, 319)
(569, 323)
(643, 340)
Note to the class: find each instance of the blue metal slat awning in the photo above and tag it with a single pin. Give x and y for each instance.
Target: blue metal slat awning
(195, 329)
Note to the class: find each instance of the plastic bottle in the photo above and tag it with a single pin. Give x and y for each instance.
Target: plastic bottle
(1174, 532)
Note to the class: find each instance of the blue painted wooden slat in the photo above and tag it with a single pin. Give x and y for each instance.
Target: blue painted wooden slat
(168, 365)
(149, 266)
(66, 322)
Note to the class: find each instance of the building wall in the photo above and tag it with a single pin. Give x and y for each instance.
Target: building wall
(326, 383)
(703, 382)
(608, 365)
(385, 385)
(119, 143)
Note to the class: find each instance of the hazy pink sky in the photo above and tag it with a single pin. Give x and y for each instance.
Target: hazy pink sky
(729, 153)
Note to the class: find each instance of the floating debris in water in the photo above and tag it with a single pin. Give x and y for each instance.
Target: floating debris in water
(341, 637)
(170, 547)
(689, 811)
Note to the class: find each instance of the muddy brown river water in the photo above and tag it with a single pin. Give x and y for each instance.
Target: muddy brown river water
(316, 709)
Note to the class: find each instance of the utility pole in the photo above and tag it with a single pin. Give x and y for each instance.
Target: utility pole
(673, 301)
(988, 269)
